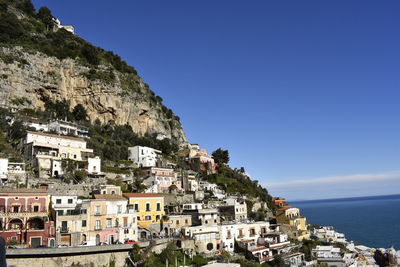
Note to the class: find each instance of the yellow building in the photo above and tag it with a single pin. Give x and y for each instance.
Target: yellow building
(291, 216)
(149, 208)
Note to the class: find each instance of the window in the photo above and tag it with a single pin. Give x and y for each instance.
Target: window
(109, 223)
(70, 201)
(125, 221)
(177, 222)
(186, 221)
(147, 206)
(215, 221)
(136, 207)
(83, 211)
(58, 201)
(119, 208)
(74, 156)
(252, 232)
(158, 217)
(158, 206)
(83, 223)
(147, 218)
(126, 231)
(15, 208)
(97, 226)
(98, 212)
(138, 218)
(60, 212)
(35, 208)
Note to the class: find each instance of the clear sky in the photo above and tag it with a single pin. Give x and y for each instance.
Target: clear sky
(304, 94)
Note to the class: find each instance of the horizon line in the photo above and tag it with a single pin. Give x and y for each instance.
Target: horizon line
(327, 199)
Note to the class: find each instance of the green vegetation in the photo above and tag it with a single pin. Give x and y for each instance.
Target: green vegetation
(106, 76)
(35, 32)
(111, 141)
(221, 156)
(170, 254)
(234, 181)
(116, 170)
(307, 246)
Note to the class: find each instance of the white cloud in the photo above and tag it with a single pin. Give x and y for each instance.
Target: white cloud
(338, 186)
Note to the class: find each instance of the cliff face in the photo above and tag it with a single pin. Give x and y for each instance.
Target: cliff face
(105, 93)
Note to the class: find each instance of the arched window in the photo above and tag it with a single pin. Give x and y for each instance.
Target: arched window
(97, 239)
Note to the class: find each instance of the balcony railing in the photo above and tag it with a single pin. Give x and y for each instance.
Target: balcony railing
(22, 209)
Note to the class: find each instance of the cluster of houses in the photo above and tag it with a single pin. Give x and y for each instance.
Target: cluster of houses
(353, 255)
(34, 218)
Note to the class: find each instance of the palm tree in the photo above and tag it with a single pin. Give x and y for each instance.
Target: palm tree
(138, 186)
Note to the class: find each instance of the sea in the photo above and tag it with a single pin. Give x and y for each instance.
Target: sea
(371, 221)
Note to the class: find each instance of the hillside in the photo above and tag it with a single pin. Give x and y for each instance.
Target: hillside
(40, 64)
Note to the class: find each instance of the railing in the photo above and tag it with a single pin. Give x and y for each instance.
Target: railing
(22, 209)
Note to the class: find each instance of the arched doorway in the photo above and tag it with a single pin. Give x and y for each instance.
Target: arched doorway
(97, 239)
(15, 224)
(83, 238)
(52, 243)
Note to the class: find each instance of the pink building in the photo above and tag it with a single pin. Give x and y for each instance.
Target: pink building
(24, 217)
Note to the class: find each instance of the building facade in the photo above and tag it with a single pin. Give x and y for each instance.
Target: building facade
(25, 217)
(143, 157)
(149, 209)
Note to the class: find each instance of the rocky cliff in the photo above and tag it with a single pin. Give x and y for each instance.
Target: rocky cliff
(106, 93)
(40, 62)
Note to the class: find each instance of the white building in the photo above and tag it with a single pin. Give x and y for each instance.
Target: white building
(68, 28)
(206, 238)
(94, 165)
(68, 128)
(12, 171)
(143, 156)
(46, 151)
(241, 231)
(3, 170)
(64, 205)
(329, 255)
(159, 180)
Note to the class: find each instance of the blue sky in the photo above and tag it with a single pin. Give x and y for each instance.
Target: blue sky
(297, 91)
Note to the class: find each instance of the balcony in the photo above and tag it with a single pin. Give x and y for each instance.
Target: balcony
(64, 230)
(97, 214)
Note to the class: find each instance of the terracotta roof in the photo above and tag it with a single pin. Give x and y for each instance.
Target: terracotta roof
(109, 197)
(22, 190)
(141, 195)
(58, 136)
(258, 249)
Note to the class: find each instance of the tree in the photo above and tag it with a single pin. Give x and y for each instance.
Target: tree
(278, 261)
(79, 112)
(17, 131)
(138, 186)
(44, 14)
(27, 7)
(80, 176)
(135, 254)
(221, 156)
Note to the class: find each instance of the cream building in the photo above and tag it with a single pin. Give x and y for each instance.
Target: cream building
(47, 151)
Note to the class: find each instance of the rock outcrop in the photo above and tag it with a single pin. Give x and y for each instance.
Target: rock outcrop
(105, 93)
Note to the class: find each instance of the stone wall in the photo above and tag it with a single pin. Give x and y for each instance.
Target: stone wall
(88, 260)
